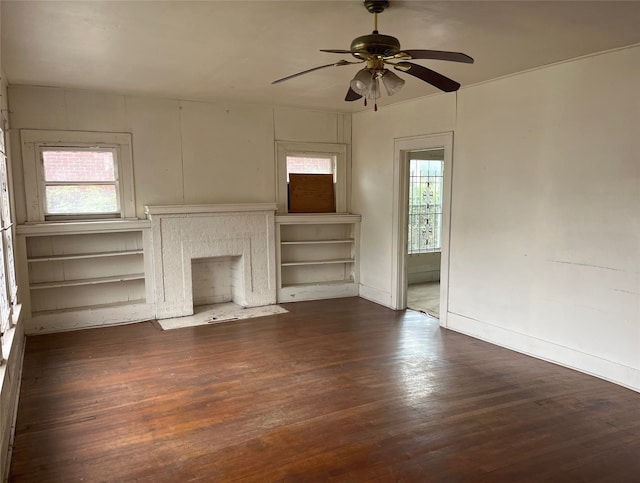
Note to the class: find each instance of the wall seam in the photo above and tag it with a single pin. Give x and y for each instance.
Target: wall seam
(181, 150)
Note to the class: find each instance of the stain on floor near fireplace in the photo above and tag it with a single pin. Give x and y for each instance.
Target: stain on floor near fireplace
(217, 313)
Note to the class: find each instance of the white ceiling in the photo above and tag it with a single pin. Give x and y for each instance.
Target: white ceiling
(233, 49)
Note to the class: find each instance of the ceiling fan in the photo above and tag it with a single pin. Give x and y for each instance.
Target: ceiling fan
(379, 50)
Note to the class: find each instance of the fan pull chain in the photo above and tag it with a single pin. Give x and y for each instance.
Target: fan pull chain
(375, 107)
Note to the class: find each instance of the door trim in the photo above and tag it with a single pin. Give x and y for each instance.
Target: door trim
(401, 148)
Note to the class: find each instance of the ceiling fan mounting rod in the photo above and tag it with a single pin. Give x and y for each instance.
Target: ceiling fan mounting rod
(375, 7)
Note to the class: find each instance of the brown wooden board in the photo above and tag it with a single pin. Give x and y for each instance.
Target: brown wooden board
(311, 193)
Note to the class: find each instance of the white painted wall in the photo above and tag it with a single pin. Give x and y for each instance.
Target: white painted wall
(184, 152)
(372, 186)
(545, 228)
(423, 267)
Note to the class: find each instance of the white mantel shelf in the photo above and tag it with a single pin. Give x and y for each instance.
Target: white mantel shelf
(199, 209)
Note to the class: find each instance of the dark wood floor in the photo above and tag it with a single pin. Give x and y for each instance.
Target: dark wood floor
(339, 390)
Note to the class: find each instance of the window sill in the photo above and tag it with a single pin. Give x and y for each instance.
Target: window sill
(9, 336)
(439, 250)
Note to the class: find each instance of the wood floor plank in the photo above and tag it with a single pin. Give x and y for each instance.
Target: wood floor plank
(341, 390)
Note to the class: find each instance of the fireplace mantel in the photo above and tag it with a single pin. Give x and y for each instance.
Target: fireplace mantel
(196, 209)
(182, 233)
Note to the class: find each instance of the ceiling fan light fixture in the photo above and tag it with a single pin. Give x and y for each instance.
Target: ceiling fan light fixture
(392, 83)
(374, 91)
(362, 82)
(380, 51)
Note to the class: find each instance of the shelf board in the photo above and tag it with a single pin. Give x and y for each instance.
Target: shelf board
(90, 307)
(318, 242)
(54, 258)
(81, 227)
(318, 262)
(86, 281)
(320, 284)
(317, 218)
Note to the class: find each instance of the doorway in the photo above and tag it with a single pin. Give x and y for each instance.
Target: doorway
(424, 230)
(421, 233)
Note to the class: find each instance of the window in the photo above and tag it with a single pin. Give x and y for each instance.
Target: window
(312, 158)
(9, 308)
(75, 175)
(311, 165)
(425, 201)
(80, 182)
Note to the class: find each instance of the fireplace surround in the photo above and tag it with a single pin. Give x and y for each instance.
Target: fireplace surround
(184, 233)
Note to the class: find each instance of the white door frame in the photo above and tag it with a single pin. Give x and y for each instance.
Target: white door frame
(402, 147)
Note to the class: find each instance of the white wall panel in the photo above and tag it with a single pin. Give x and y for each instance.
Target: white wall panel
(546, 206)
(183, 151)
(157, 154)
(545, 228)
(227, 153)
(95, 111)
(423, 267)
(307, 126)
(372, 185)
(37, 108)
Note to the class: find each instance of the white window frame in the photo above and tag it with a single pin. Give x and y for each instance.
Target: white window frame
(310, 150)
(33, 143)
(42, 185)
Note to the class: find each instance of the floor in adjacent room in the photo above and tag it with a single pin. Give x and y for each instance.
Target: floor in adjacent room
(340, 390)
(424, 297)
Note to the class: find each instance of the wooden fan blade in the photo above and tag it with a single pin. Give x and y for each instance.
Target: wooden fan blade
(337, 51)
(430, 76)
(334, 64)
(352, 95)
(437, 55)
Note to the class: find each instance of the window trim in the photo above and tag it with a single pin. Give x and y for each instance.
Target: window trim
(42, 185)
(339, 151)
(32, 143)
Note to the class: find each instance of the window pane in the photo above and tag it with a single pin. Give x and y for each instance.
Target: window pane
(425, 205)
(65, 200)
(309, 165)
(78, 165)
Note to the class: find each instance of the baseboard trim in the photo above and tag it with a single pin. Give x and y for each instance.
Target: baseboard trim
(375, 295)
(13, 398)
(614, 372)
(89, 318)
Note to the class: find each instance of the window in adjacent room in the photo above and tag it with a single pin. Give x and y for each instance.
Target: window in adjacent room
(425, 201)
(80, 183)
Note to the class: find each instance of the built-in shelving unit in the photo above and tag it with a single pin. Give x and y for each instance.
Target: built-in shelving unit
(317, 256)
(84, 274)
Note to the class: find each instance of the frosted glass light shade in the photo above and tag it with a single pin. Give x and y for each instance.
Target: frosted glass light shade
(374, 91)
(392, 82)
(362, 82)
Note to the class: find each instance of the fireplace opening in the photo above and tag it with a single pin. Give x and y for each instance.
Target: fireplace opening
(217, 280)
